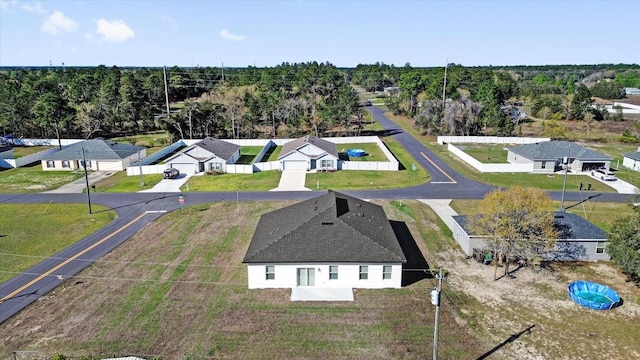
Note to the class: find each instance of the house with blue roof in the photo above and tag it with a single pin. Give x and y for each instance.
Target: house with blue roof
(549, 156)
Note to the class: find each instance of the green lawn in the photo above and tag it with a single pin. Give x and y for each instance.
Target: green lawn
(372, 151)
(32, 178)
(260, 181)
(120, 182)
(273, 156)
(51, 227)
(485, 153)
(156, 139)
(22, 151)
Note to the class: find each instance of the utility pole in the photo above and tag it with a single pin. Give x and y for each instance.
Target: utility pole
(222, 69)
(444, 87)
(564, 183)
(435, 300)
(86, 179)
(166, 89)
(140, 168)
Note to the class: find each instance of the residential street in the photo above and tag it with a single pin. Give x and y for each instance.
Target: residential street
(135, 210)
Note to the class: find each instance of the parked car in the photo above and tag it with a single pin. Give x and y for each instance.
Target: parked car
(603, 174)
(171, 173)
(367, 103)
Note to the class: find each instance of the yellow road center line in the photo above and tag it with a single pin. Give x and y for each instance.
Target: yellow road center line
(438, 167)
(42, 276)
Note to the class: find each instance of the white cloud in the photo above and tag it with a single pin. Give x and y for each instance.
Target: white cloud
(57, 22)
(34, 8)
(114, 31)
(5, 4)
(170, 21)
(225, 34)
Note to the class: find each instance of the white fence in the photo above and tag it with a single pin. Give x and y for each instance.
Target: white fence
(391, 165)
(491, 168)
(26, 160)
(489, 140)
(149, 160)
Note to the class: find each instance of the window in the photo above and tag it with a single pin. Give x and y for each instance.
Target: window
(386, 272)
(327, 163)
(544, 165)
(65, 163)
(333, 272)
(271, 272)
(364, 272)
(306, 277)
(215, 166)
(51, 164)
(600, 245)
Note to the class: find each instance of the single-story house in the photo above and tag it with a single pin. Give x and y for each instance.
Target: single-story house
(632, 160)
(207, 155)
(333, 241)
(548, 156)
(579, 239)
(309, 153)
(100, 154)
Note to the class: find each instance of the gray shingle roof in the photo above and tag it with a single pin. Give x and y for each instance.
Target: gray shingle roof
(633, 155)
(96, 149)
(331, 228)
(552, 150)
(571, 226)
(222, 149)
(293, 145)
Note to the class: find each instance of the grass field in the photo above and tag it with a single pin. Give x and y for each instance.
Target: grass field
(184, 271)
(372, 151)
(50, 228)
(32, 178)
(485, 153)
(260, 181)
(120, 182)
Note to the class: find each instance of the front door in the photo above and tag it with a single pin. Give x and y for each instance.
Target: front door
(306, 276)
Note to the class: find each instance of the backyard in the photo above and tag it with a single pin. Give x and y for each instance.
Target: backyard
(184, 271)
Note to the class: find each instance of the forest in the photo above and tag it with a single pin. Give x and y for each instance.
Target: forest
(291, 100)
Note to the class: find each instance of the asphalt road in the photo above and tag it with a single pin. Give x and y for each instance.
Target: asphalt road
(136, 210)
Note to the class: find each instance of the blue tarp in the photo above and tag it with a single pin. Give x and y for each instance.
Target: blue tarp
(593, 295)
(356, 152)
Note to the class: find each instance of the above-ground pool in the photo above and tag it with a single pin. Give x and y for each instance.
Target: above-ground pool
(356, 152)
(593, 295)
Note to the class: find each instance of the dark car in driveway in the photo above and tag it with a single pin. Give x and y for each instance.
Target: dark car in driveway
(171, 173)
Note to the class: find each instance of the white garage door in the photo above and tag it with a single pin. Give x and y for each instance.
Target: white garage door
(185, 168)
(294, 165)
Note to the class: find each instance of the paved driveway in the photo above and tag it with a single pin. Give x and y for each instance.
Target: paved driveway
(169, 185)
(292, 180)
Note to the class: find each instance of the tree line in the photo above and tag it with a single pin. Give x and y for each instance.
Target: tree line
(291, 100)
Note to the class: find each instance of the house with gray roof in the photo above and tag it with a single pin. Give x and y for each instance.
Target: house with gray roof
(632, 160)
(100, 155)
(333, 241)
(548, 156)
(579, 239)
(209, 154)
(309, 153)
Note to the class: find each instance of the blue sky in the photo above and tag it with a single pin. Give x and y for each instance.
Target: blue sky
(344, 33)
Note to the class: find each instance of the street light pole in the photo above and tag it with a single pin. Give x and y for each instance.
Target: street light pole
(86, 178)
(435, 300)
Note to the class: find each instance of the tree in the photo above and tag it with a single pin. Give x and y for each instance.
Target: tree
(517, 222)
(624, 244)
(581, 103)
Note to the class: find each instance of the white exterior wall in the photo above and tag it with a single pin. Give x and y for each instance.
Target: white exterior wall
(234, 157)
(311, 150)
(631, 164)
(198, 152)
(348, 276)
(73, 165)
(334, 162)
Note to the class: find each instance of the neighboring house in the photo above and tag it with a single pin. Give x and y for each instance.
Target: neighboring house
(207, 155)
(632, 160)
(548, 156)
(333, 241)
(579, 239)
(309, 153)
(100, 155)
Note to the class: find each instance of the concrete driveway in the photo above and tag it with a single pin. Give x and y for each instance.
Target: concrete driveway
(80, 185)
(292, 180)
(621, 186)
(170, 185)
